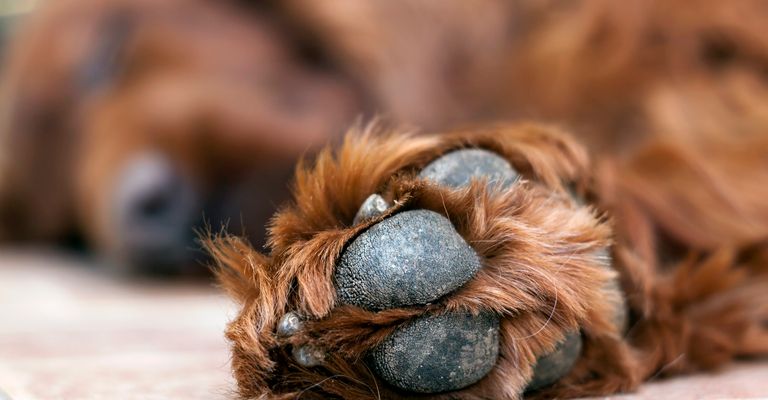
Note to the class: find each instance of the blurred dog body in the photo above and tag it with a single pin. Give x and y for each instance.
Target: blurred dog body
(671, 96)
(131, 98)
(125, 120)
(614, 72)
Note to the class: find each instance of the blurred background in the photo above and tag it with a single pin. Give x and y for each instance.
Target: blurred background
(129, 127)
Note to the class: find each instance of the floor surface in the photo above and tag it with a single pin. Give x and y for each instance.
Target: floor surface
(70, 332)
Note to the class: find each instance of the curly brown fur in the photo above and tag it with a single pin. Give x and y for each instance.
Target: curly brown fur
(689, 313)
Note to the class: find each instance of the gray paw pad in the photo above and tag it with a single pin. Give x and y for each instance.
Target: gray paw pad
(438, 353)
(410, 258)
(553, 366)
(457, 168)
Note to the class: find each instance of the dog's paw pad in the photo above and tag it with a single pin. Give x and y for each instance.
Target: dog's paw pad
(438, 353)
(411, 258)
(553, 366)
(457, 168)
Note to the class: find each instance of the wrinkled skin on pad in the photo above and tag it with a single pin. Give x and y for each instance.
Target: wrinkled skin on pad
(439, 353)
(411, 258)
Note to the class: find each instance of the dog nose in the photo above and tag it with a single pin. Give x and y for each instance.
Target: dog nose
(156, 210)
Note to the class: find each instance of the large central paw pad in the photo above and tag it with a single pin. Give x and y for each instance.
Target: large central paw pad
(411, 258)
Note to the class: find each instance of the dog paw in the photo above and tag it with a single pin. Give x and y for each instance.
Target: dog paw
(416, 257)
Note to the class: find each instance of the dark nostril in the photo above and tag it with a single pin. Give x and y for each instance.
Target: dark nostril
(152, 189)
(154, 205)
(155, 211)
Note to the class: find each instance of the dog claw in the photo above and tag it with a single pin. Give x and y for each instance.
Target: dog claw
(438, 353)
(457, 168)
(372, 206)
(289, 324)
(308, 356)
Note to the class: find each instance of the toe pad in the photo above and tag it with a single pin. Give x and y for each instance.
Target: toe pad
(438, 353)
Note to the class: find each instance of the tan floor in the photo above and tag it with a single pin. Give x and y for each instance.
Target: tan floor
(67, 332)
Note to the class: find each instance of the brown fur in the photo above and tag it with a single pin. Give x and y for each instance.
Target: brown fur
(690, 313)
(614, 72)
